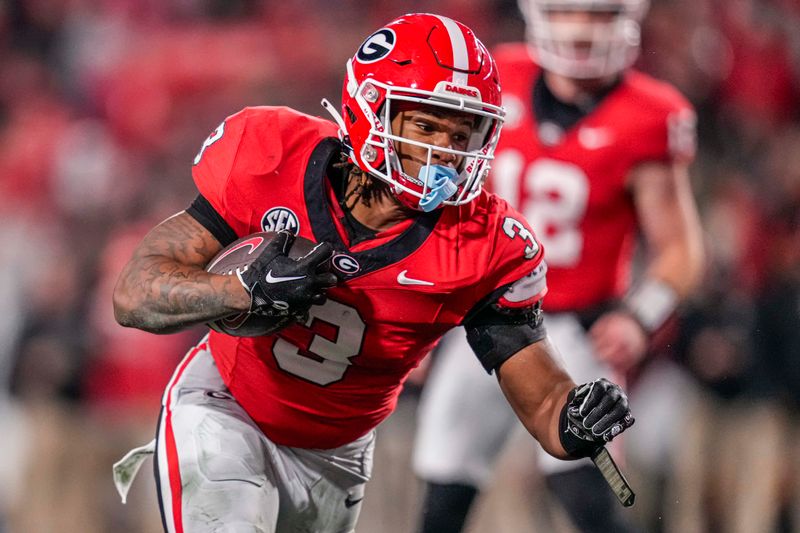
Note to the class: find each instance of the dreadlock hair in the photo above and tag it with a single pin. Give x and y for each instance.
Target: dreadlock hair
(366, 189)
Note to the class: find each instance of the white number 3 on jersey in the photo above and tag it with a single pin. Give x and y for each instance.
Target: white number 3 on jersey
(211, 139)
(513, 228)
(326, 360)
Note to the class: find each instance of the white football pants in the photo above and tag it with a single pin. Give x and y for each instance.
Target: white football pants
(217, 472)
(464, 419)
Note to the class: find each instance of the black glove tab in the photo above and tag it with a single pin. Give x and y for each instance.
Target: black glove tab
(594, 414)
(280, 286)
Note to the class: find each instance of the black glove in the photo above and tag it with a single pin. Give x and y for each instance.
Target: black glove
(594, 414)
(280, 286)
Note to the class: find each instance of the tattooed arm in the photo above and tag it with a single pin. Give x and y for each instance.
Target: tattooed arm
(164, 287)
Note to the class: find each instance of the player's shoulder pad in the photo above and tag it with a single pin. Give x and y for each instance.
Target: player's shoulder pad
(253, 142)
(512, 230)
(272, 132)
(514, 250)
(656, 94)
(665, 112)
(261, 135)
(502, 225)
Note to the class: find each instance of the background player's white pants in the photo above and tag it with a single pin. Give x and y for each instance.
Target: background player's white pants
(217, 472)
(464, 419)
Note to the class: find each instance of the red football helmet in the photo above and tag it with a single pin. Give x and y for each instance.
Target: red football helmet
(584, 49)
(426, 59)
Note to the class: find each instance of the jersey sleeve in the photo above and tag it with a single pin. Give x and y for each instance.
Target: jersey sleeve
(237, 161)
(682, 134)
(213, 164)
(666, 124)
(507, 316)
(517, 261)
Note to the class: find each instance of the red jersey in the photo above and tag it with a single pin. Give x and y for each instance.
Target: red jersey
(574, 192)
(331, 380)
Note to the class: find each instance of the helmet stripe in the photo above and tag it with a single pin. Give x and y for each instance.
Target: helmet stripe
(459, 45)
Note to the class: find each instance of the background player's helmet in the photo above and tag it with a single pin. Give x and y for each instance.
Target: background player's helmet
(585, 50)
(428, 59)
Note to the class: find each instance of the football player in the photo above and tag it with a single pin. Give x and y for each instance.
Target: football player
(275, 433)
(592, 153)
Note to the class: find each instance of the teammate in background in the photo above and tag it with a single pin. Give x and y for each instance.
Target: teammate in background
(592, 152)
(276, 432)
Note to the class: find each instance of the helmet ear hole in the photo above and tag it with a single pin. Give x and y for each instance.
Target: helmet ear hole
(352, 116)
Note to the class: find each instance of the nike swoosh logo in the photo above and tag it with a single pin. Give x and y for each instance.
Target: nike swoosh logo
(280, 279)
(349, 503)
(595, 138)
(402, 279)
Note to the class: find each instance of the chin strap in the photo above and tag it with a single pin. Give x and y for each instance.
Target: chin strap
(335, 114)
(339, 122)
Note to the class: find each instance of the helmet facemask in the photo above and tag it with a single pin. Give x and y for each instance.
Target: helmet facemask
(580, 48)
(379, 157)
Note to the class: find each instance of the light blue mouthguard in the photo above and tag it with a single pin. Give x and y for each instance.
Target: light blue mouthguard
(440, 181)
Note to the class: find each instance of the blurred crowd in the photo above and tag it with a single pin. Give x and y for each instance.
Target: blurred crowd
(103, 104)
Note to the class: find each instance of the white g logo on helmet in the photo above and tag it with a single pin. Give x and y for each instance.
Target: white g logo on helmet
(377, 46)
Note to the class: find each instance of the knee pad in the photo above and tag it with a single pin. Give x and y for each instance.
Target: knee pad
(227, 453)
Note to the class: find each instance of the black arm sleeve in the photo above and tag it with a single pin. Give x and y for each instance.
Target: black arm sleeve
(495, 333)
(203, 212)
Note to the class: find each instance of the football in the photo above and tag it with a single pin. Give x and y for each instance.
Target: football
(238, 256)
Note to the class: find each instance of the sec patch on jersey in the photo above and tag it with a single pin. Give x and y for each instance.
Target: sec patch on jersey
(237, 256)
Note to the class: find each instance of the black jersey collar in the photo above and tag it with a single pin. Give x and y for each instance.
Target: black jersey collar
(548, 108)
(324, 228)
